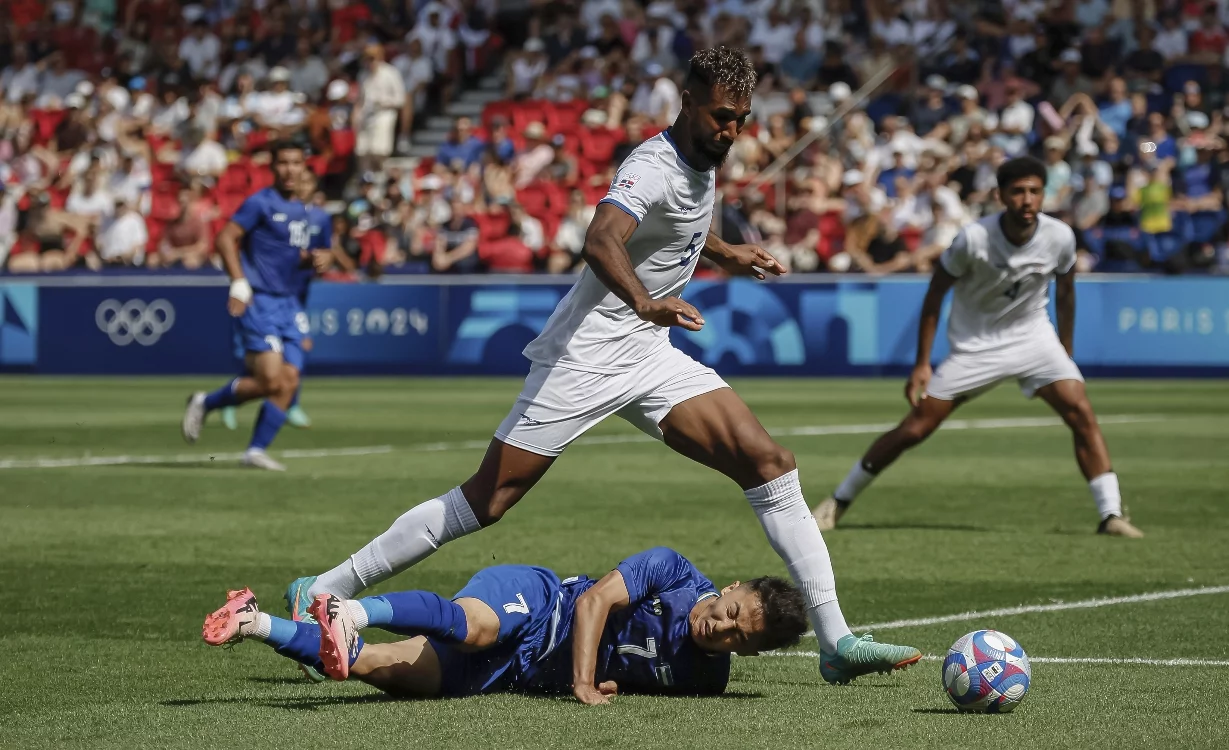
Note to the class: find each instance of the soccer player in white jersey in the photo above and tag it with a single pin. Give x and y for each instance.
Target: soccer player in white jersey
(1000, 268)
(606, 350)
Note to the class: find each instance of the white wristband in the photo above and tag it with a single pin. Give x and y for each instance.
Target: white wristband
(241, 290)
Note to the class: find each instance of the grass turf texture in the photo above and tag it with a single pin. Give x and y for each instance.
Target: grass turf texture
(106, 572)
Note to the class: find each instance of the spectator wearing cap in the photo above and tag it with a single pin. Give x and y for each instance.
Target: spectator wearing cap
(462, 148)
(278, 108)
(526, 68)
(308, 73)
(1071, 80)
(201, 51)
(381, 97)
(800, 66)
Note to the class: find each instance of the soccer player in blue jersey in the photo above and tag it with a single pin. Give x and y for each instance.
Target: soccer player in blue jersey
(655, 624)
(265, 247)
(320, 225)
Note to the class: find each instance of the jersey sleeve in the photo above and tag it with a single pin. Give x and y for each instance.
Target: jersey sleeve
(1066, 253)
(955, 258)
(658, 570)
(638, 186)
(250, 212)
(323, 240)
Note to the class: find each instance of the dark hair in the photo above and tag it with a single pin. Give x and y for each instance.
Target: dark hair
(722, 67)
(1019, 168)
(278, 147)
(785, 612)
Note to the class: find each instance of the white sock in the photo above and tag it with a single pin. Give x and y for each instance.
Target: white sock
(260, 628)
(1106, 494)
(412, 538)
(358, 613)
(792, 532)
(855, 481)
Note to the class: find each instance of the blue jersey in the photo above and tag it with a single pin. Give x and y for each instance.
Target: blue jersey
(276, 232)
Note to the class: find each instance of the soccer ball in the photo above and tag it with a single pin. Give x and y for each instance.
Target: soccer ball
(986, 672)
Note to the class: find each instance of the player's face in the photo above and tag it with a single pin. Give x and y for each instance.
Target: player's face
(1022, 199)
(288, 169)
(730, 623)
(716, 120)
(306, 189)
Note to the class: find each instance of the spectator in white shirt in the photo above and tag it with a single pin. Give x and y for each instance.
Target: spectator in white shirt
(278, 108)
(20, 77)
(774, 35)
(308, 73)
(201, 51)
(381, 97)
(438, 41)
(57, 81)
(526, 68)
(123, 238)
(664, 98)
(202, 155)
(88, 199)
(1171, 40)
(1015, 122)
(417, 73)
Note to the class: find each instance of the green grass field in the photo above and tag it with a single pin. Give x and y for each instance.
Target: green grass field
(107, 569)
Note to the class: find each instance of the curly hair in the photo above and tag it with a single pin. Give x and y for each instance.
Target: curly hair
(1019, 168)
(722, 67)
(784, 611)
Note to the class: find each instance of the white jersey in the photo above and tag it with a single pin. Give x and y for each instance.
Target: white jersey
(1002, 291)
(592, 329)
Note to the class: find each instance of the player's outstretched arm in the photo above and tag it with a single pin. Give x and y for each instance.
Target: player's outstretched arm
(741, 260)
(228, 248)
(592, 608)
(605, 251)
(1064, 304)
(932, 305)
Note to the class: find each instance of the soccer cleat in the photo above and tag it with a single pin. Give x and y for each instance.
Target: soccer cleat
(194, 417)
(855, 657)
(258, 459)
(230, 417)
(296, 417)
(297, 602)
(225, 624)
(828, 513)
(338, 635)
(1119, 526)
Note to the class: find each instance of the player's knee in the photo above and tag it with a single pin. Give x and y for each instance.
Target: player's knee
(290, 379)
(1080, 416)
(916, 429)
(774, 460)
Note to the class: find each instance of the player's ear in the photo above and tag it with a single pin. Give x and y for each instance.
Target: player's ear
(731, 587)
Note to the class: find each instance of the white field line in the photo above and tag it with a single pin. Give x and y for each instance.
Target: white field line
(805, 430)
(1129, 661)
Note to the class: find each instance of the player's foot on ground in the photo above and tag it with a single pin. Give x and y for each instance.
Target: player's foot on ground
(855, 657)
(194, 417)
(338, 635)
(258, 459)
(828, 513)
(1119, 526)
(226, 623)
(230, 417)
(296, 417)
(297, 602)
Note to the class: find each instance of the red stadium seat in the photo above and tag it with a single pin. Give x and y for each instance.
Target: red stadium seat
(506, 255)
(556, 197)
(831, 234)
(564, 116)
(497, 109)
(163, 206)
(228, 203)
(594, 193)
(235, 179)
(260, 178)
(342, 142)
(155, 229)
(526, 112)
(492, 226)
(533, 199)
(58, 197)
(550, 227)
(598, 144)
(256, 140)
(319, 164)
(45, 123)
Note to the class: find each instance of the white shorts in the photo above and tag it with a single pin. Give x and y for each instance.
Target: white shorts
(1034, 363)
(377, 134)
(557, 404)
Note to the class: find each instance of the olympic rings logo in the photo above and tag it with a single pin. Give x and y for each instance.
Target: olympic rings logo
(134, 320)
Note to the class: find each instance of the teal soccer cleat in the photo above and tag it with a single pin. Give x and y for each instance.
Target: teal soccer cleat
(855, 657)
(296, 417)
(297, 602)
(230, 417)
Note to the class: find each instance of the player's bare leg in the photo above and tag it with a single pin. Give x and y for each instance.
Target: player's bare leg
(408, 668)
(271, 378)
(1069, 399)
(503, 478)
(919, 424)
(718, 430)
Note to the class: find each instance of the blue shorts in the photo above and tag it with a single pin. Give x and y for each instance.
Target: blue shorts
(272, 324)
(529, 603)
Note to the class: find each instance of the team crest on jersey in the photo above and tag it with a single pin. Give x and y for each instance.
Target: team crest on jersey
(655, 605)
(626, 181)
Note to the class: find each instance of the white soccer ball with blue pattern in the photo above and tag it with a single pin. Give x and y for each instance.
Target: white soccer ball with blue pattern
(986, 672)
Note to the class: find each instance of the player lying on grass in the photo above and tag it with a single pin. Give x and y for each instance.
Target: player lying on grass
(1000, 268)
(655, 624)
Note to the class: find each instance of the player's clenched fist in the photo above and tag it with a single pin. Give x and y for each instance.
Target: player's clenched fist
(596, 696)
(671, 311)
(915, 389)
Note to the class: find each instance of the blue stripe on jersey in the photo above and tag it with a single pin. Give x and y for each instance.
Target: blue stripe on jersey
(618, 204)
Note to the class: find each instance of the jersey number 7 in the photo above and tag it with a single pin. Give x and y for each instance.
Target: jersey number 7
(649, 651)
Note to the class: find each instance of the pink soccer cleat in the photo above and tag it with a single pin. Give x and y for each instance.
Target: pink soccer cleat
(223, 626)
(338, 635)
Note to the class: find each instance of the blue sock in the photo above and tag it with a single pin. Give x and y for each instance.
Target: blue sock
(269, 421)
(224, 396)
(417, 613)
(295, 401)
(297, 640)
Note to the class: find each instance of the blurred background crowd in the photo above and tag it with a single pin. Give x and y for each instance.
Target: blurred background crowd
(478, 135)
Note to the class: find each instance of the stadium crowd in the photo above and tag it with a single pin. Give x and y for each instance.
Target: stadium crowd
(131, 129)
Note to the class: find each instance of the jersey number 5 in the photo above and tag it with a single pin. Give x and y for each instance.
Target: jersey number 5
(649, 651)
(691, 250)
(1013, 291)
